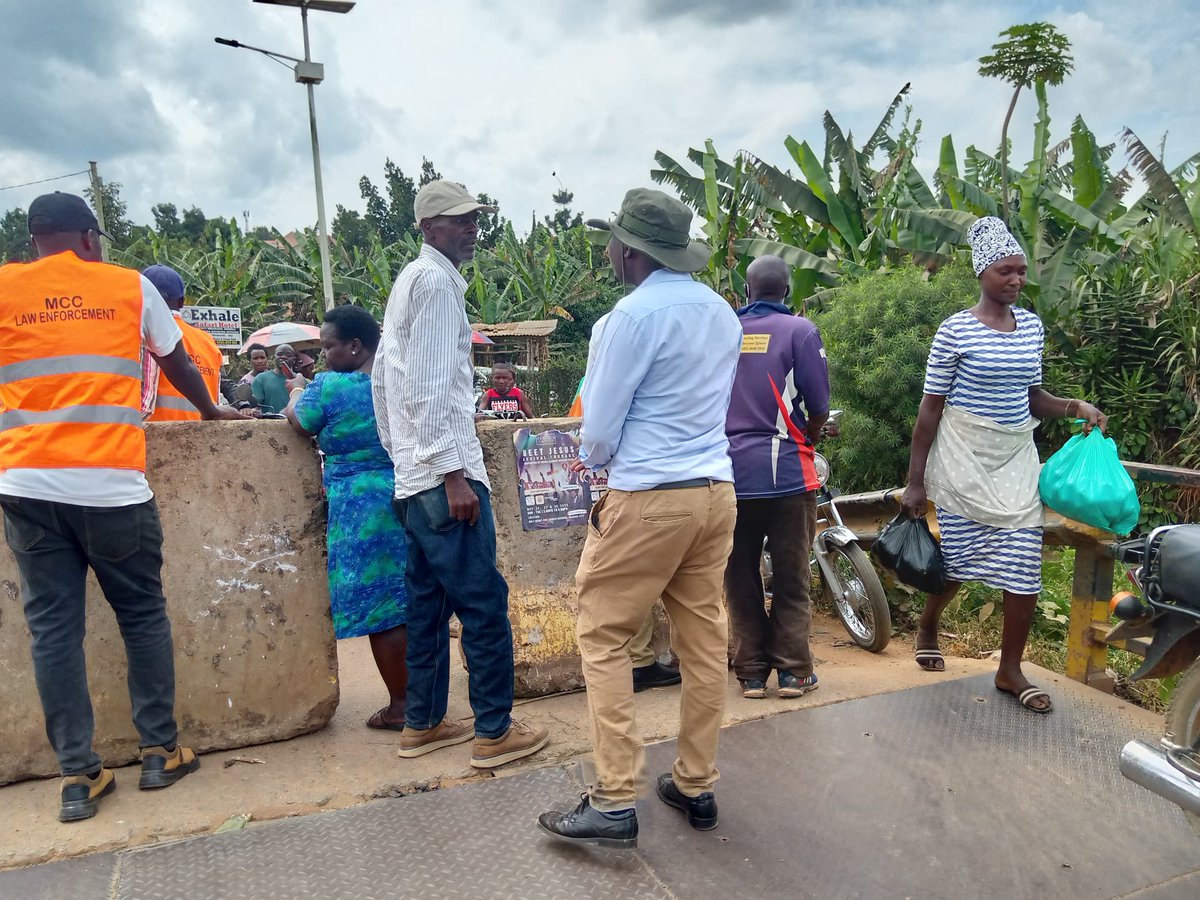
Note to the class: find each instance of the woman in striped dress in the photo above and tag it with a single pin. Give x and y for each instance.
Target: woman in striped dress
(973, 453)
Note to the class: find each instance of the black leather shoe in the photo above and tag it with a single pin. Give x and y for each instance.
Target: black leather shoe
(654, 675)
(585, 825)
(701, 811)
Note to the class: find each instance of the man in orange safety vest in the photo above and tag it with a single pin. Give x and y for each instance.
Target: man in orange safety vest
(172, 406)
(73, 485)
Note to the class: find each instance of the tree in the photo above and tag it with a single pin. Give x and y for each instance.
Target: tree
(1034, 52)
(392, 216)
(352, 231)
(491, 225)
(15, 245)
(564, 217)
(192, 224)
(166, 219)
(116, 222)
(428, 173)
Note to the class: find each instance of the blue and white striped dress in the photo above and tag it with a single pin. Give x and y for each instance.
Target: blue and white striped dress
(988, 373)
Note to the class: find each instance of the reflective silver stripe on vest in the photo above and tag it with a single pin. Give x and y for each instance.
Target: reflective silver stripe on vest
(180, 404)
(88, 415)
(74, 364)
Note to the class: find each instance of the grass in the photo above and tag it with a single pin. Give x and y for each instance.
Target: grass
(971, 627)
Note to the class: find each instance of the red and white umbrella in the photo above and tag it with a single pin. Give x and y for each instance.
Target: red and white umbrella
(477, 338)
(299, 335)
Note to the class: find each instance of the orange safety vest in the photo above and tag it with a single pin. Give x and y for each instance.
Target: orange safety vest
(172, 406)
(70, 365)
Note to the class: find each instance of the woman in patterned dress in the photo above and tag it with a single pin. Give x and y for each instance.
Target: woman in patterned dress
(365, 539)
(973, 453)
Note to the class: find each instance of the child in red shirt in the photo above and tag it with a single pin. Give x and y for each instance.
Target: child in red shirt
(504, 396)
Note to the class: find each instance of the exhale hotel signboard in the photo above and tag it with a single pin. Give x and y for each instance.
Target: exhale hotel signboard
(223, 323)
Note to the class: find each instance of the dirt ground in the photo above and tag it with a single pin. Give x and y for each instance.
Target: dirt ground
(347, 764)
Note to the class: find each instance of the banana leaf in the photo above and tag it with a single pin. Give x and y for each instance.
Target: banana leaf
(1087, 169)
(824, 270)
(1159, 181)
(793, 192)
(850, 231)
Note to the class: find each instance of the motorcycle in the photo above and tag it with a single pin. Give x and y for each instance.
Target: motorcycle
(848, 578)
(1165, 570)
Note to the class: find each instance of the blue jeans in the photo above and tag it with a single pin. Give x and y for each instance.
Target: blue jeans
(54, 544)
(452, 569)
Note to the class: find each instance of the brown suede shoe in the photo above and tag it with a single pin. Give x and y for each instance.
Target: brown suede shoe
(446, 733)
(80, 795)
(518, 742)
(162, 768)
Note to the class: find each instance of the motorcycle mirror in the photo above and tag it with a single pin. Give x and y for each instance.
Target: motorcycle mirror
(244, 392)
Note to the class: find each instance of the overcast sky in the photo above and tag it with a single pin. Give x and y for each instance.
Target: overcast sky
(500, 95)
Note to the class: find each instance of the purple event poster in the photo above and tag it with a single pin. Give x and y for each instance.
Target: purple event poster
(550, 494)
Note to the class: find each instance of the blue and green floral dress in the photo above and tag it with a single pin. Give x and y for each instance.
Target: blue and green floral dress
(365, 539)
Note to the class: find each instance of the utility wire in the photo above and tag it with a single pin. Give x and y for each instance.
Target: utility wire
(9, 187)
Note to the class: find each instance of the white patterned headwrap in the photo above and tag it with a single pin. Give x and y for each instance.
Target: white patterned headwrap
(990, 242)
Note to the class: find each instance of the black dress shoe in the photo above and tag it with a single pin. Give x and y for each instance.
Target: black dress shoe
(654, 675)
(701, 811)
(585, 825)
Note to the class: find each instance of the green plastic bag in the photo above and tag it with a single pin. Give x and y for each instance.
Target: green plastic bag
(1085, 481)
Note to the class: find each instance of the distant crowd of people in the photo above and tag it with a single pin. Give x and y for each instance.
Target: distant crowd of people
(705, 419)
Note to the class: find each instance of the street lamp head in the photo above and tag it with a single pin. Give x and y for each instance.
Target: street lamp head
(333, 6)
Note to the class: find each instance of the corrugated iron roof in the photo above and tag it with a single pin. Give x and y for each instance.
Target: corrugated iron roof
(535, 328)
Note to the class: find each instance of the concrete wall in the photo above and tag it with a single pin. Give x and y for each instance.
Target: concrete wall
(247, 594)
(540, 569)
(244, 576)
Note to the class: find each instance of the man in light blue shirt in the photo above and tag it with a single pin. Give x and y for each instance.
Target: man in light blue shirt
(660, 372)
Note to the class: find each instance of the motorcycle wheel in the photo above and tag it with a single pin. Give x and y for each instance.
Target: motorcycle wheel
(1183, 717)
(864, 611)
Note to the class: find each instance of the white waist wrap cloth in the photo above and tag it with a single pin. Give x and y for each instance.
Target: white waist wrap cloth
(984, 471)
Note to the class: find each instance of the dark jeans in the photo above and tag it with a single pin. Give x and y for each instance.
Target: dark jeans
(452, 569)
(777, 641)
(54, 544)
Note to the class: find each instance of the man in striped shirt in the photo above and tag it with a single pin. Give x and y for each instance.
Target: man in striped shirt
(425, 408)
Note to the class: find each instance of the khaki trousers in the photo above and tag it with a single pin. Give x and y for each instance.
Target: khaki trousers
(642, 545)
(641, 646)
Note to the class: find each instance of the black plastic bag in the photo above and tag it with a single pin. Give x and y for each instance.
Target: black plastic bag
(906, 547)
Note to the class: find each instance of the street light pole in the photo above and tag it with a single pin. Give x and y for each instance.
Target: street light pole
(322, 233)
(309, 74)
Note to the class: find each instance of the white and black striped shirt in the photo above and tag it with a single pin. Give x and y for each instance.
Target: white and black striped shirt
(984, 371)
(423, 381)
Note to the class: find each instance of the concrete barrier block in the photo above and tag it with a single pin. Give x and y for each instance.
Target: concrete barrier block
(540, 569)
(247, 593)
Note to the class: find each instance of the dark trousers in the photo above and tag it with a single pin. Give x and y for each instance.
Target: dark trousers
(54, 544)
(452, 569)
(778, 641)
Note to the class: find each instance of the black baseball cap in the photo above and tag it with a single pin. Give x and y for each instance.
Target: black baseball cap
(59, 212)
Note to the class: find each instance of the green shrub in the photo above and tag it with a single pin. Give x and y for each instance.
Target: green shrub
(877, 331)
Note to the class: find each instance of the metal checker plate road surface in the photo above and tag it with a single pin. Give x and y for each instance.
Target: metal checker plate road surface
(949, 791)
(945, 791)
(476, 841)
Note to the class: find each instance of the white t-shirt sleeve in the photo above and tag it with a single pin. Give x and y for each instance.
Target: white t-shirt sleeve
(158, 323)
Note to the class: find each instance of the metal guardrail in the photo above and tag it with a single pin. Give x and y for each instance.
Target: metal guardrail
(1092, 582)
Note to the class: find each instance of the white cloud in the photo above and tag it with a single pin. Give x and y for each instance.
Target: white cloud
(499, 96)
